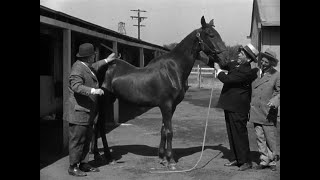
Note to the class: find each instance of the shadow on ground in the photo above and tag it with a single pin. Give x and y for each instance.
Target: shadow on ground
(144, 150)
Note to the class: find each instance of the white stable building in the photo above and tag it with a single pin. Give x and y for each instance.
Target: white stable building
(265, 26)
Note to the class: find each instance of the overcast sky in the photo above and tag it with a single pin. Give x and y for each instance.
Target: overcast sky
(168, 21)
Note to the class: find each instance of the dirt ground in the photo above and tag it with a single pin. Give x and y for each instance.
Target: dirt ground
(135, 144)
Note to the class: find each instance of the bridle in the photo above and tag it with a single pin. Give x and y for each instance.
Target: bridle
(203, 44)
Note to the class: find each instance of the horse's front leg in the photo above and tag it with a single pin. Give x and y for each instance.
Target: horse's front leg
(161, 152)
(167, 113)
(169, 152)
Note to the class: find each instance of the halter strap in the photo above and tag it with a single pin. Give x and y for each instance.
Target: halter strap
(202, 44)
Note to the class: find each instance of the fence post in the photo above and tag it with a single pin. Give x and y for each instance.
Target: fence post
(198, 75)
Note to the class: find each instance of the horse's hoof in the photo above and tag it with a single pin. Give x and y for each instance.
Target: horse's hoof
(112, 162)
(164, 162)
(172, 167)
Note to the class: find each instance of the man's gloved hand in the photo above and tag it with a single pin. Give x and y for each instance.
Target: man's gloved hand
(274, 102)
(97, 91)
(111, 57)
(216, 66)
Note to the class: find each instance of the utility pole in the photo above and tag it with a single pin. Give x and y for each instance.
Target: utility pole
(139, 20)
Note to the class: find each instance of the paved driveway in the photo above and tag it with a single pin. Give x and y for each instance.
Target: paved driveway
(135, 146)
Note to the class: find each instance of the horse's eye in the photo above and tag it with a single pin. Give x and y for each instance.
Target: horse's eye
(210, 34)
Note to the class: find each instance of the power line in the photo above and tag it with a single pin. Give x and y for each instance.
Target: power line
(139, 20)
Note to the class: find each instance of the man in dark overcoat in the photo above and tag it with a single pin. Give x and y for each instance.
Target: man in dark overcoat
(264, 109)
(235, 100)
(82, 107)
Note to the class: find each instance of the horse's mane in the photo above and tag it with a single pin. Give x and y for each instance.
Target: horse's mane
(121, 61)
(182, 42)
(176, 49)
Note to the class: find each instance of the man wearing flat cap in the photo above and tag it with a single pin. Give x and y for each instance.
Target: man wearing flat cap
(264, 109)
(82, 107)
(235, 100)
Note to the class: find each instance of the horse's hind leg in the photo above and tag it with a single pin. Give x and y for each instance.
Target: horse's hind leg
(106, 149)
(94, 145)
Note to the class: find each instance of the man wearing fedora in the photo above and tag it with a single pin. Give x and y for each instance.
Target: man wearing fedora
(235, 100)
(264, 109)
(82, 107)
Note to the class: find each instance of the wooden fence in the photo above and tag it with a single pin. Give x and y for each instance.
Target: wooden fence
(200, 72)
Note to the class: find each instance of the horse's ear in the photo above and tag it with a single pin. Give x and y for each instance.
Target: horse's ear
(203, 22)
(211, 23)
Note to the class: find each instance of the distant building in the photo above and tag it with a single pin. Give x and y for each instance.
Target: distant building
(265, 26)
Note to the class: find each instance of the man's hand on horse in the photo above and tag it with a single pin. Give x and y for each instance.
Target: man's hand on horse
(97, 91)
(216, 66)
(111, 57)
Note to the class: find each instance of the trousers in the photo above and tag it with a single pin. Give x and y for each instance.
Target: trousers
(79, 143)
(236, 124)
(267, 143)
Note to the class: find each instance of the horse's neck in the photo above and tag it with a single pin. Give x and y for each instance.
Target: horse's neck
(186, 45)
(186, 49)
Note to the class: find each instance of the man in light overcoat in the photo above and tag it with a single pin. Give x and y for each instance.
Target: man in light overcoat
(264, 104)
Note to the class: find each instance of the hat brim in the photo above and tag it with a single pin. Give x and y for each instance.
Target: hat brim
(253, 57)
(269, 57)
(78, 55)
(250, 54)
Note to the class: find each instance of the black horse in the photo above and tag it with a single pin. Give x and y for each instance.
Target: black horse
(162, 82)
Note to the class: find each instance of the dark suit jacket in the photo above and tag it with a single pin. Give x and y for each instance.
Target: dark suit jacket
(236, 92)
(81, 104)
(230, 65)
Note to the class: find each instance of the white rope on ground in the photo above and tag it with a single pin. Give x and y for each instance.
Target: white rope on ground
(203, 142)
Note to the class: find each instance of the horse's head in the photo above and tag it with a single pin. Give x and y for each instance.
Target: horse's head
(211, 43)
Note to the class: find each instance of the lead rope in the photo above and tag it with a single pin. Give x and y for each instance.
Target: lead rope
(204, 139)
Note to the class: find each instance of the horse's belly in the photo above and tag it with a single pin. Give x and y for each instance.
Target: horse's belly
(135, 90)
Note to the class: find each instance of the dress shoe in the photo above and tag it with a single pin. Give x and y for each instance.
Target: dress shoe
(273, 167)
(75, 171)
(232, 163)
(88, 168)
(260, 166)
(245, 166)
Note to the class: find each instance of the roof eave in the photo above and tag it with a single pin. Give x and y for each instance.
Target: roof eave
(270, 23)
